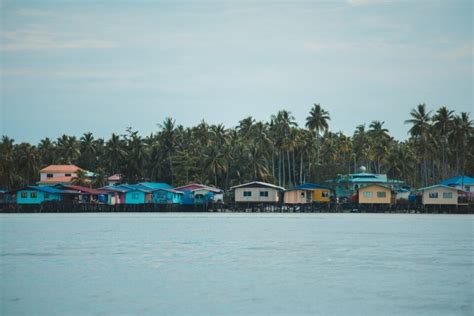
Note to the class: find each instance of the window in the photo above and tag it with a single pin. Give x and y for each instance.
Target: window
(49, 175)
(67, 175)
(368, 194)
(264, 193)
(447, 195)
(468, 188)
(325, 194)
(46, 195)
(247, 193)
(381, 194)
(33, 195)
(199, 196)
(302, 194)
(135, 196)
(433, 195)
(24, 195)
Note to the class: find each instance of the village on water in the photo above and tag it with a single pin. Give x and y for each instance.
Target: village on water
(280, 174)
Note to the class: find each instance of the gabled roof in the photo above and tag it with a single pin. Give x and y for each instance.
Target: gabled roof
(169, 190)
(194, 187)
(375, 185)
(438, 186)
(80, 189)
(56, 180)
(134, 187)
(115, 177)
(44, 188)
(309, 186)
(156, 185)
(257, 184)
(114, 188)
(459, 180)
(60, 168)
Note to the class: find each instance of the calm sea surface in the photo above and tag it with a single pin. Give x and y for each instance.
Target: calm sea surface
(259, 264)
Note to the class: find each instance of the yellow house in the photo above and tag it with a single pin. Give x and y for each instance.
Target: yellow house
(320, 193)
(439, 195)
(298, 196)
(375, 194)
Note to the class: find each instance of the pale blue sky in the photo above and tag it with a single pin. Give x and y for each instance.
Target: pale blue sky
(77, 66)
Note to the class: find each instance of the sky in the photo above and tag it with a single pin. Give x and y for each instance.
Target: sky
(70, 67)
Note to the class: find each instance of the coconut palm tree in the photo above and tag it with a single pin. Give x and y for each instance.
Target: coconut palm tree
(115, 154)
(81, 179)
(88, 152)
(317, 121)
(443, 123)
(420, 129)
(463, 131)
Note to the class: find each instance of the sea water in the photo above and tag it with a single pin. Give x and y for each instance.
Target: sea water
(236, 264)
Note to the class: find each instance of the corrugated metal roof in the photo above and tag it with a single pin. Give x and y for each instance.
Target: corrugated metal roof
(258, 183)
(310, 186)
(156, 185)
(459, 180)
(194, 187)
(60, 168)
(438, 186)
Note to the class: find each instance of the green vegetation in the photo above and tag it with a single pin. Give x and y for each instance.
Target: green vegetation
(441, 144)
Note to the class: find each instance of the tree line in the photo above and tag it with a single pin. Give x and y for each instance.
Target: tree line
(440, 144)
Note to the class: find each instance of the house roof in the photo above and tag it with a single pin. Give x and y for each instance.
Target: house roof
(115, 177)
(375, 185)
(82, 189)
(310, 186)
(114, 188)
(438, 186)
(459, 180)
(44, 188)
(194, 187)
(56, 180)
(156, 185)
(60, 168)
(169, 190)
(257, 184)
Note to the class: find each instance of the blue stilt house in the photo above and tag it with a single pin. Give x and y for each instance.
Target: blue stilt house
(39, 194)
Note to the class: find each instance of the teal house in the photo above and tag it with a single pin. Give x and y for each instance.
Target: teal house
(136, 194)
(167, 196)
(38, 195)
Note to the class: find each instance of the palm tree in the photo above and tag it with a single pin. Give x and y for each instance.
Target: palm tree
(28, 162)
(81, 179)
(88, 152)
(68, 149)
(8, 167)
(420, 129)
(443, 123)
(115, 154)
(100, 179)
(463, 131)
(317, 121)
(47, 152)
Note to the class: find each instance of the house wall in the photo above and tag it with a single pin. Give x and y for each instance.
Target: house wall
(165, 197)
(44, 175)
(426, 200)
(374, 199)
(135, 197)
(297, 197)
(318, 195)
(40, 197)
(255, 197)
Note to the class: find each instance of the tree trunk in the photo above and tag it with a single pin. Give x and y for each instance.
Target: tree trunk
(301, 168)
